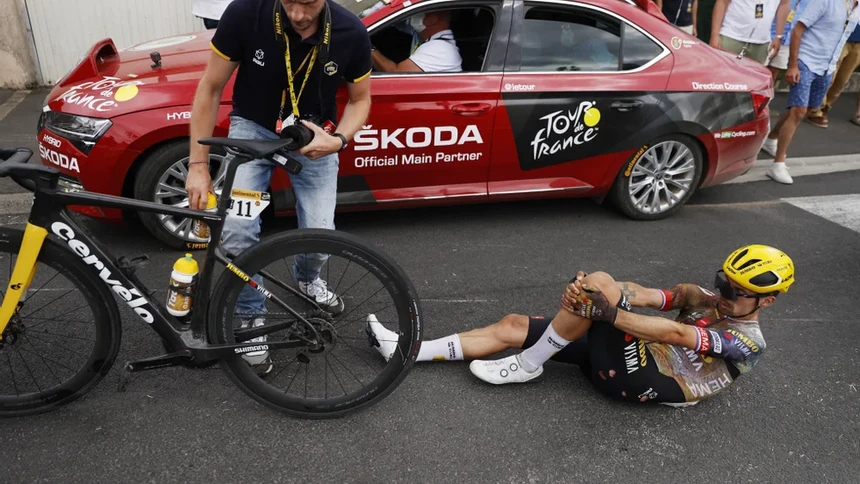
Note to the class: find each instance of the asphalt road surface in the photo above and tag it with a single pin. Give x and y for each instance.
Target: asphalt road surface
(795, 418)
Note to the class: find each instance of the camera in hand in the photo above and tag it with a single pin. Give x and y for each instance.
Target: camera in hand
(301, 134)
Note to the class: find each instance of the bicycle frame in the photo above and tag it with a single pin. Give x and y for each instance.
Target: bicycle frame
(187, 342)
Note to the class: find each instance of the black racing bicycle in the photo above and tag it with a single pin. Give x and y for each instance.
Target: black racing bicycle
(318, 359)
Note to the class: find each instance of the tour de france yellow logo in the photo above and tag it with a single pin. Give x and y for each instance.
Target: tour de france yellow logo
(126, 93)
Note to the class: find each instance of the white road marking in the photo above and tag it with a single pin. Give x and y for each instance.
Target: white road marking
(11, 103)
(841, 209)
(814, 165)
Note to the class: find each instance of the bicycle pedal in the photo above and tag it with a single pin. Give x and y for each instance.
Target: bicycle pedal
(130, 266)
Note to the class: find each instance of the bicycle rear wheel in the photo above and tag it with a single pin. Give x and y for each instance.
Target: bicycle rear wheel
(64, 337)
(348, 373)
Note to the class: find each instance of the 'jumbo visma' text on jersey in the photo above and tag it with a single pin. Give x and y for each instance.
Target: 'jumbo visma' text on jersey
(726, 349)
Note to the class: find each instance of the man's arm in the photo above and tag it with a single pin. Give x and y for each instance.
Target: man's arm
(204, 114)
(728, 344)
(680, 296)
(354, 115)
(384, 64)
(720, 8)
(695, 14)
(781, 19)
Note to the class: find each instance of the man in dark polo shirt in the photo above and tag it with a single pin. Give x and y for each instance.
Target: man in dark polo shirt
(283, 77)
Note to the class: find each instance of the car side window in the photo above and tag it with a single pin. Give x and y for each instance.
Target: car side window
(638, 49)
(471, 31)
(570, 39)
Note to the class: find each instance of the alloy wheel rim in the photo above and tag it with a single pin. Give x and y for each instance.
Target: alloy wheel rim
(170, 190)
(662, 177)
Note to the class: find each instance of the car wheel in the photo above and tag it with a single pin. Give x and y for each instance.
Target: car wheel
(161, 179)
(659, 178)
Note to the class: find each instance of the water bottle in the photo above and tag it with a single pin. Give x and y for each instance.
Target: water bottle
(200, 229)
(182, 282)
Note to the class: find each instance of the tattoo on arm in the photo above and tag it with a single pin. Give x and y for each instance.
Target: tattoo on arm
(628, 291)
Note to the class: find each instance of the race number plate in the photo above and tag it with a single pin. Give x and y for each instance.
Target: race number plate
(247, 204)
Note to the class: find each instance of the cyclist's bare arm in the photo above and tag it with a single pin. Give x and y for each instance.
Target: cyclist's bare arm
(204, 113)
(641, 297)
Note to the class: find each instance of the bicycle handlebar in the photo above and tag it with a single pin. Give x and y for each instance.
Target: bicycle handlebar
(13, 163)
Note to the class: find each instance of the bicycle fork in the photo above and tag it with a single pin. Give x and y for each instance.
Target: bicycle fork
(22, 275)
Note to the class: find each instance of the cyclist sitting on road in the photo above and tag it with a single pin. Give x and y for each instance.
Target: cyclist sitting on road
(435, 49)
(629, 356)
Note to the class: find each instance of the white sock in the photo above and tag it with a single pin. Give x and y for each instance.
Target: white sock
(442, 349)
(549, 344)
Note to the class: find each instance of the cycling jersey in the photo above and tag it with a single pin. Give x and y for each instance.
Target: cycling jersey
(726, 348)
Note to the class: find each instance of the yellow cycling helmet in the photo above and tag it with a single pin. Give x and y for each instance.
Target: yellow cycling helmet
(760, 269)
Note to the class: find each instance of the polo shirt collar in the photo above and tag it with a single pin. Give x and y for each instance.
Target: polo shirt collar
(316, 38)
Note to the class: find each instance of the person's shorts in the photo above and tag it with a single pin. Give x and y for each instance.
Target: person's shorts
(780, 60)
(756, 52)
(618, 364)
(809, 92)
(686, 28)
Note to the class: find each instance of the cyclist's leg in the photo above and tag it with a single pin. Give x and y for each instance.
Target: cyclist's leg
(239, 234)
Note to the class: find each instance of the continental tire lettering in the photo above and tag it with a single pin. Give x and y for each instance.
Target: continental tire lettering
(131, 296)
(636, 157)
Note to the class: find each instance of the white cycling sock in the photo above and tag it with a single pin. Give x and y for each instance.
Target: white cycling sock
(442, 349)
(549, 344)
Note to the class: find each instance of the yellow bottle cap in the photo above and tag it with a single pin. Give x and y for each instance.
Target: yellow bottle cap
(186, 265)
(211, 202)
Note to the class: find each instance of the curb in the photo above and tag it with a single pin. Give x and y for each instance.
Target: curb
(813, 165)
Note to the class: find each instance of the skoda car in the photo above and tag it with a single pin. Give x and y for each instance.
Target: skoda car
(558, 98)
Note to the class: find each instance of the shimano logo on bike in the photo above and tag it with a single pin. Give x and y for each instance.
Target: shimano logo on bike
(252, 348)
(132, 296)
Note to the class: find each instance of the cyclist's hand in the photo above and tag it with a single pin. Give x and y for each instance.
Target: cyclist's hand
(323, 143)
(198, 184)
(590, 304)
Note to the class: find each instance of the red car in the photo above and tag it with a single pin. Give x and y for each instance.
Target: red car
(557, 98)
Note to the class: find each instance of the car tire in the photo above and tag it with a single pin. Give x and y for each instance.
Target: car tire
(671, 165)
(161, 180)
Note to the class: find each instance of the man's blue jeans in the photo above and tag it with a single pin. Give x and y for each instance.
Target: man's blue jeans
(316, 196)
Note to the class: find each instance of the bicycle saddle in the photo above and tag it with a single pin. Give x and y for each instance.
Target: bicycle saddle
(253, 147)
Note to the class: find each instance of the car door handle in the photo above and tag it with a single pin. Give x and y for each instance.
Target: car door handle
(627, 105)
(471, 109)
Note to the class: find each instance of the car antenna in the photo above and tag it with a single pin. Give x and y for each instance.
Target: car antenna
(156, 59)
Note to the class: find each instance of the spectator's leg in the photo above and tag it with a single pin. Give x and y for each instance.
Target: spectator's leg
(848, 61)
(856, 118)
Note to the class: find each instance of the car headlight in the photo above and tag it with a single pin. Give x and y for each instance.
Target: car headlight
(81, 131)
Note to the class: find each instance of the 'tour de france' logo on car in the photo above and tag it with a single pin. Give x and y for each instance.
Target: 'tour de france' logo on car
(563, 130)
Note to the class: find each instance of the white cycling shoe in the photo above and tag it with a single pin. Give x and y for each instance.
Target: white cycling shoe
(506, 370)
(382, 338)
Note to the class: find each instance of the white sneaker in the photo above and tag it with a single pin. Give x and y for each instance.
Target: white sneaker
(506, 370)
(769, 146)
(778, 172)
(318, 290)
(258, 360)
(381, 337)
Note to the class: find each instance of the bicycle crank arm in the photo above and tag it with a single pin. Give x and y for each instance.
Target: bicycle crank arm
(171, 359)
